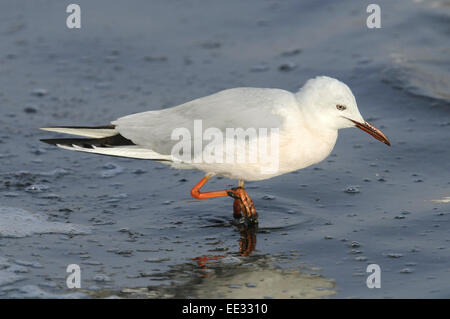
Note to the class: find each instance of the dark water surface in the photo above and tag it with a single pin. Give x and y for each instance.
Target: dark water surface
(133, 227)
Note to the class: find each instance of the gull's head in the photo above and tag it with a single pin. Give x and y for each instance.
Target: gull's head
(329, 103)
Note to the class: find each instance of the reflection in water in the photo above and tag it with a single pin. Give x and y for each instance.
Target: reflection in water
(264, 281)
(248, 238)
(238, 275)
(442, 200)
(247, 245)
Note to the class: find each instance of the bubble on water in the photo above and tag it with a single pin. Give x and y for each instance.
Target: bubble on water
(360, 258)
(394, 255)
(354, 244)
(352, 189)
(406, 271)
(101, 278)
(119, 196)
(39, 92)
(286, 67)
(30, 109)
(139, 171)
(109, 165)
(111, 170)
(36, 188)
(57, 172)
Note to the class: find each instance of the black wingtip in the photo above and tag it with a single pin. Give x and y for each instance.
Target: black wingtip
(49, 141)
(110, 141)
(107, 127)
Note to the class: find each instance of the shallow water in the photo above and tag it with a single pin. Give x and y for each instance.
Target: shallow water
(319, 227)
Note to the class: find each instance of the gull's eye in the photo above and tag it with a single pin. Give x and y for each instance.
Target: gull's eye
(341, 107)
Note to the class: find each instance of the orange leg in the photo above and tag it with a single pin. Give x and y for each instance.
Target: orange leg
(242, 201)
(245, 202)
(195, 191)
(237, 208)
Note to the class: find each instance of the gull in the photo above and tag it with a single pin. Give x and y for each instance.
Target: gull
(303, 127)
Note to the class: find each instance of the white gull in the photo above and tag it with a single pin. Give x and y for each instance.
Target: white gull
(304, 125)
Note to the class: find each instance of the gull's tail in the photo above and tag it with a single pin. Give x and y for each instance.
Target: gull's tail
(104, 140)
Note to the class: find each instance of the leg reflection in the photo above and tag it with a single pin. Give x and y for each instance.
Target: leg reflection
(248, 238)
(247, 244)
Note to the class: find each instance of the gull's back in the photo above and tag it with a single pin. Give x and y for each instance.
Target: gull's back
(233, 108)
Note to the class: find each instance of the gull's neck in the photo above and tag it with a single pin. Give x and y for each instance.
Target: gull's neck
(312, 119)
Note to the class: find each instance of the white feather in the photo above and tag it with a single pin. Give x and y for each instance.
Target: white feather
(87, 132)
(131, 151)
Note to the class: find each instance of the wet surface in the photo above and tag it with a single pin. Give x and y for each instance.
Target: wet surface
(132, 226)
